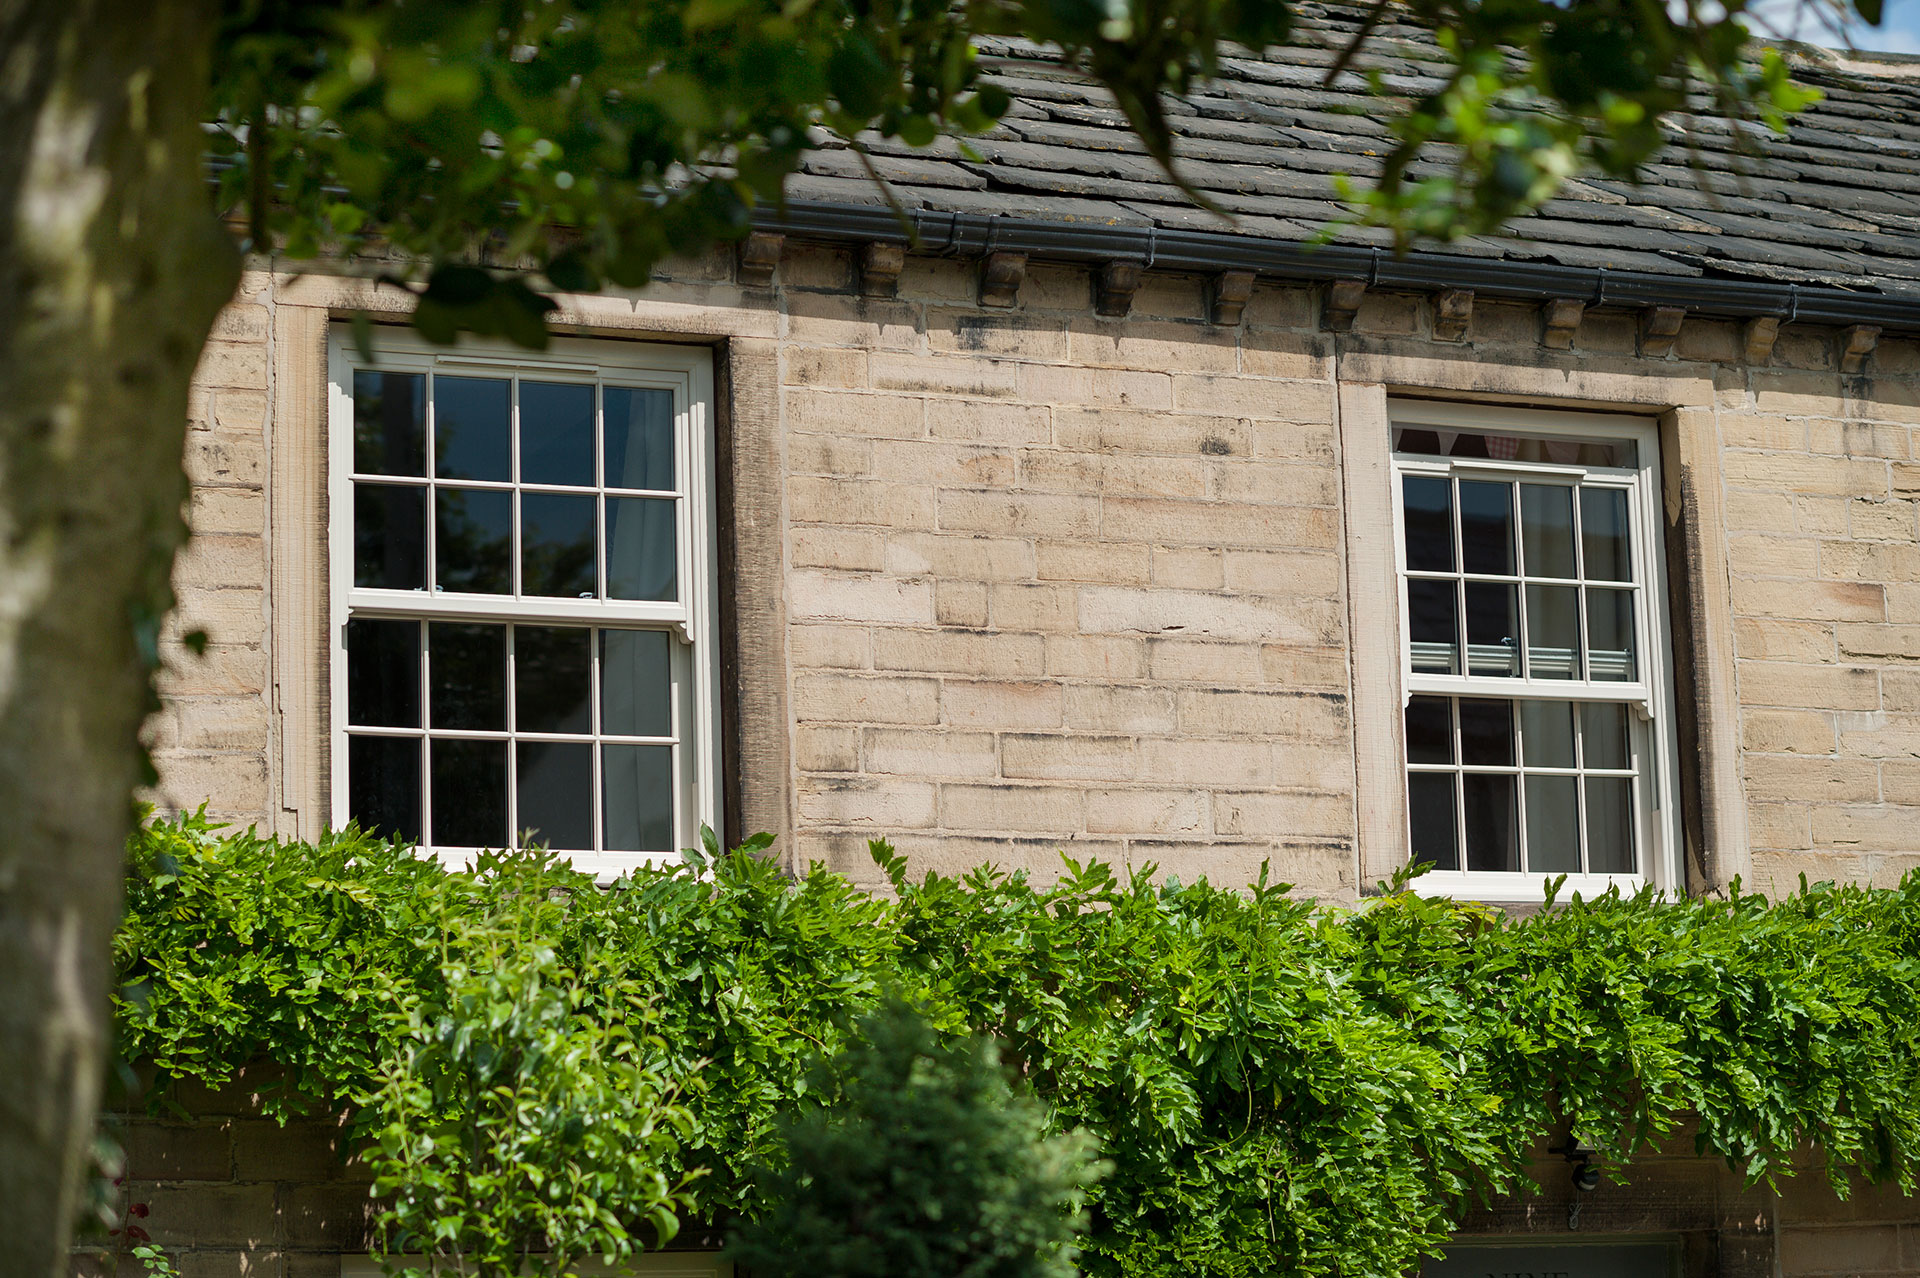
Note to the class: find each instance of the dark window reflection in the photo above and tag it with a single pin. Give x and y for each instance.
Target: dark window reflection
(1453, 443)
(473, 541)
(1553, 632)
(641, 554)
(1546, 529)
(1547, 730)
(1493, 629)
(389, 423)
(1486, 732)
(1427, 505)
(1486, 527)
(471, 436)
(1609, 825)
(1610, 634)
(639, 431)
(1489, 808)
(636, 694)
(1429, 730)
(1603, 534)
(638, 794)
(553, 679)
(556, 434)
(1433, 625)
(389, 536)
(383, 674)
(383, 785)
(1553, 825)
(1430, 819)
(556, 793)
(469, 664)
(1603, 733)
(557, 547)
(469, 793)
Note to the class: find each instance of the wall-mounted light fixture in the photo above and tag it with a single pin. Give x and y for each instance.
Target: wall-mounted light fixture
(1586, 1175)
(1579, 1155)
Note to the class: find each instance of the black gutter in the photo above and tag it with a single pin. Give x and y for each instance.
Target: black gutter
(1205, 252)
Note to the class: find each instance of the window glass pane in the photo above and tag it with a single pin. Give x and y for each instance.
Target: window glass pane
(470, 435)
(383, 674)
(1428, 507)
(469, 675)
(636, 695)
(1430, 819)
(639, 431)
(639, 797)
(1429, 441)
(1553, 632)
(552, 679)
(1546, 733)
(473, 541)
(1433, 626)
(389, 536)
(1429, 730)
(557, 547)
(640, 548)
(1546, 530)
(1603, 730)
(1609, 825)
(556, 434)
(555, 788)
(1486, 732)
(469, 793)
(1489, 808)
(1486, 527)
(1553, 825)
(1603, 534)
(1493, 632)
(383, 785)
(389, 423)
(1610, 653)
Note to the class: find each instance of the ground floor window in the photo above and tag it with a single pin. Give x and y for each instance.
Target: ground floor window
(523, 558)
(1538, 730)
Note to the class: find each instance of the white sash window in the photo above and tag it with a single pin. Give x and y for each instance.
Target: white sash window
(522, 551)
(1536, 662)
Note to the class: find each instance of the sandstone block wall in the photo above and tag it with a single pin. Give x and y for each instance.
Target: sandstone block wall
(1064, 583)
(229, 1193)
(1051, 582)
(211, 739)
(1825, 566)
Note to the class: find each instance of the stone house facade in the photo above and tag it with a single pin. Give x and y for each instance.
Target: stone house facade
(1080, 523)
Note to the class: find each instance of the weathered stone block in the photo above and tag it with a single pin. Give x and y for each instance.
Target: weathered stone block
(998, 704)
(845, 698)
(840, 597)
(867, 803)
(937, 753)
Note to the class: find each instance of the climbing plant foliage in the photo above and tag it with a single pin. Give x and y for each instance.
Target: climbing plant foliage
(1280, 1087)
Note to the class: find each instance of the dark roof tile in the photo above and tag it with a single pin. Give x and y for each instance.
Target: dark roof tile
(1832, 202)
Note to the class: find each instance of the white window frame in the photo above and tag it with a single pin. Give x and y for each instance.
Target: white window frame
(693, 620)
(1658, 830)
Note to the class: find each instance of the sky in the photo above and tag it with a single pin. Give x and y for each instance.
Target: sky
(1898, 33)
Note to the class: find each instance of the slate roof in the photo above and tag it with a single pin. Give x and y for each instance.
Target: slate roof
(1836, 202)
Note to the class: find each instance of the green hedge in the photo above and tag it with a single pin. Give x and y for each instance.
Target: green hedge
(1282, 1088)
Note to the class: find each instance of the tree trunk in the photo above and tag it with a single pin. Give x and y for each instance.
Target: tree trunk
(112, 270)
